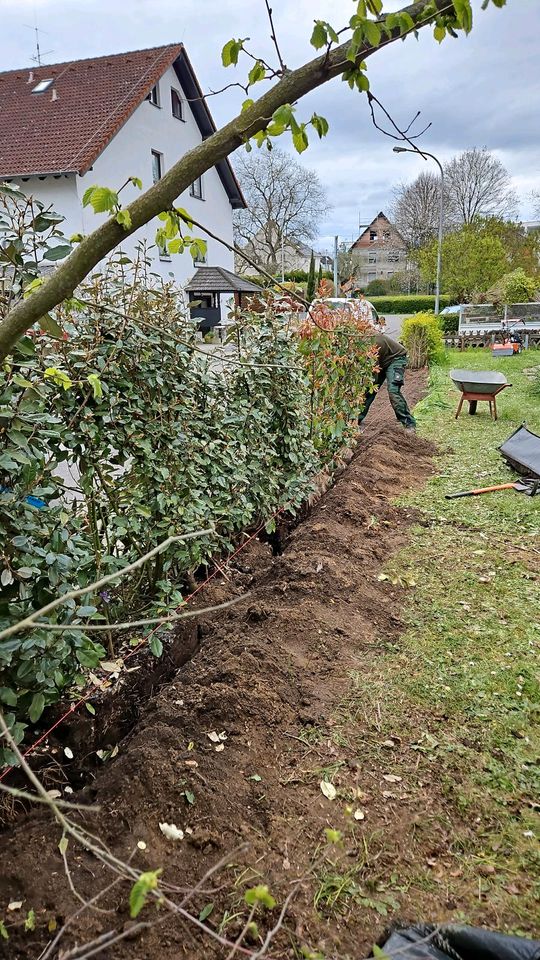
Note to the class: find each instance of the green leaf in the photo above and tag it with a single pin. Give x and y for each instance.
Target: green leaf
(260, 894)
(137, 182)
(95, 383)
(284, 114)
(205, 912)
(464, 14)
(91, 709)
(25, 573)
(247, 104)
(86, 611)
(230, 52)
(372, 33)
(63, 845)
(300, 139)
(58, 377)
(319, 37)
(123, 217)
(184, 215)
(50, 326)
(156, 646)
(256, 73)
(37, 707)
(140, 890)
(439, 32)
(190, 797)
(30, 922)
(8, 696)
(320, 124)
(101, 199)
(33, 286)
(3, 931)
(176, 246)
(58, 253)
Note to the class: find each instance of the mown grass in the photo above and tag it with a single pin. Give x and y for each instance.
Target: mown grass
(462, 688)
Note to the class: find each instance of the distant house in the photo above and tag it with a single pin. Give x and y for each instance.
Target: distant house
(379, 252)
(293, 255)
(68, 126)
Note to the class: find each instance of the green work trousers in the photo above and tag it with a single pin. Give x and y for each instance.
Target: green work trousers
(395, 378)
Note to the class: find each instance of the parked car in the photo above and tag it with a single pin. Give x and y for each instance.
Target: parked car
(345, 303)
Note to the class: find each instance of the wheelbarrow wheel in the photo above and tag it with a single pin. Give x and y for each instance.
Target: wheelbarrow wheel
(472, 407)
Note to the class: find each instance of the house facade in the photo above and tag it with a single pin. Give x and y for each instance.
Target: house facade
(379, 252)
(69, 126)
(291, 255)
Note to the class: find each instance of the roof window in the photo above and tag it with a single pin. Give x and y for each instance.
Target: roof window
(42, 86)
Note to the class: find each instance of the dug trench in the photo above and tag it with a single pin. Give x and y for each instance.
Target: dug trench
(233, 751)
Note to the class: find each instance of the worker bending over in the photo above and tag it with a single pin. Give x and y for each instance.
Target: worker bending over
(391, 361)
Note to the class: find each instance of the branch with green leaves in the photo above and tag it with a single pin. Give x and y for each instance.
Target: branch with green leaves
(369, 30)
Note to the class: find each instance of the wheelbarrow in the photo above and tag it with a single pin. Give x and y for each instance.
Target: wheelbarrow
(476, 385)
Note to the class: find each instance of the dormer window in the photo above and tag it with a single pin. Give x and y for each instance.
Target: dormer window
(153, 96)
(42, 86)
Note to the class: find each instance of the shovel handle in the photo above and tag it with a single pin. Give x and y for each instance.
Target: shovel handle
(476, 493)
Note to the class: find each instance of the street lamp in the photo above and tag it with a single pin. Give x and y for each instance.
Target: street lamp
(424, 153)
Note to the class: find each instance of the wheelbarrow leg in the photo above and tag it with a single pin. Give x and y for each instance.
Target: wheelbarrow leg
(494, 408)
(460, 404)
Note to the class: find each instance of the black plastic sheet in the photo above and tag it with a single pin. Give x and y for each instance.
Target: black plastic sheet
(427, 942)
(522, 451)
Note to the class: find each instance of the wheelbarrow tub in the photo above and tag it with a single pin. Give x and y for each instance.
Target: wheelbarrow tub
(489, 382)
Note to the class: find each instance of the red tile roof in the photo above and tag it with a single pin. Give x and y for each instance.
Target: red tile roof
(66, 130)
(39, 134)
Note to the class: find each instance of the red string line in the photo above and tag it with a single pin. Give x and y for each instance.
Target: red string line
(78, 703)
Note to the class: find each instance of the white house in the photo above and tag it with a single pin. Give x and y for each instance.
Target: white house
(67, 126)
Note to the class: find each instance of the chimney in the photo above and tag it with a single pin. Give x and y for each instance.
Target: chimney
(30, 77)
(54, 95)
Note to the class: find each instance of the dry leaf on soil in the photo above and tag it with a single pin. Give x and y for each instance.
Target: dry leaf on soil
(328, 789)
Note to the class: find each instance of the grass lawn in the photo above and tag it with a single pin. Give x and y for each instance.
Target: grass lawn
(463, 684)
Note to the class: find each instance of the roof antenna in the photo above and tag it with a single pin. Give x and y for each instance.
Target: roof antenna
(38, 57)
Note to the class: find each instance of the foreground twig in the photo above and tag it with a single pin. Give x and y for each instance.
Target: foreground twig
(93, 587)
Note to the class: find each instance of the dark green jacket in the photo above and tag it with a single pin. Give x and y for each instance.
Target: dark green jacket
(389, 350)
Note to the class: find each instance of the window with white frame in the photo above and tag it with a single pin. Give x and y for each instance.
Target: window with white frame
(157, 166)
(177, 105)
(372, 257)
(153, 96)
(196, 189)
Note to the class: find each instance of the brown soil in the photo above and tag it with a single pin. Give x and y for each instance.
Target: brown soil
(272, 673)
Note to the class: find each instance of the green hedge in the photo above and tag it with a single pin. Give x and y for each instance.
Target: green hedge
(408, 303)
(291, 276)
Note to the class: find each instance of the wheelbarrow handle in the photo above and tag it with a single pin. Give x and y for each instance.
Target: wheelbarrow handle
(476, 493)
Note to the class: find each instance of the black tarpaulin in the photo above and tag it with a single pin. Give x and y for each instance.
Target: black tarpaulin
(522, 451)
(426, 942)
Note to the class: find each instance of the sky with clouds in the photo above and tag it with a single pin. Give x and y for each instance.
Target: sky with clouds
(480, 90)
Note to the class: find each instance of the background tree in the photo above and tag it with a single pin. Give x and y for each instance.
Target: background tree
(535, 199)
(415, 209)
(310, 288)
(478, 185)
(319, 276)
(472, 260)
(285, 203)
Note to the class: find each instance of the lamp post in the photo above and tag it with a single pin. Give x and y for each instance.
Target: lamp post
(441, 218)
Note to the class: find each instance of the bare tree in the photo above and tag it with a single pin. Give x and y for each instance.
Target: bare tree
(285, 201)
(415, 209)
(535, 199)
(478, 185)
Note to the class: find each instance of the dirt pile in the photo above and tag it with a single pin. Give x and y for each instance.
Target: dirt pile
(270, 676)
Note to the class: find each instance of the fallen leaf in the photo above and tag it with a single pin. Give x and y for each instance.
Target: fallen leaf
(112, 666)
(219, 748)
(359, 815)
(387, 795)
(68, 752)
(388, 743)
(54, 794)
(191, 763)
(511, 888)
(141, 844)
(213, 736)
(15, 905)
(68, 789)
(171, 831)
(328, 789)
(392, 778)
(486, 869)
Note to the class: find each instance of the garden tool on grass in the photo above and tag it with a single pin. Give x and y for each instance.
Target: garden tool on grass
(529, 486)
